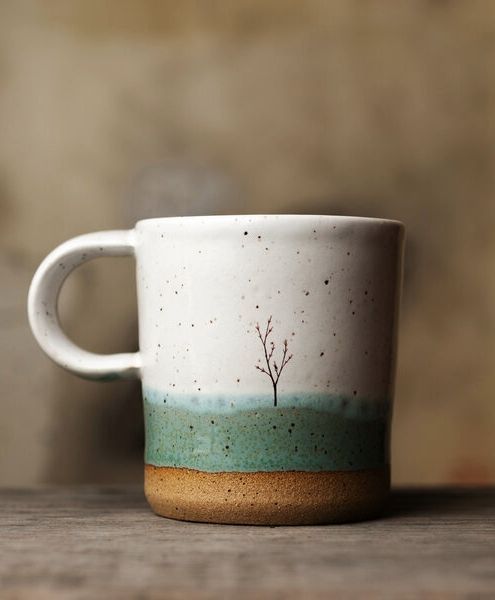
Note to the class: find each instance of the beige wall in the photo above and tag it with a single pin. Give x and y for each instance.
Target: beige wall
(135, 108)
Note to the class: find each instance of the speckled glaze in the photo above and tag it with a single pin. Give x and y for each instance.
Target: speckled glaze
(315, 432)
(267, 350)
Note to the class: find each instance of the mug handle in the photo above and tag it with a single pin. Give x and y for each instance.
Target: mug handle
(43, 310)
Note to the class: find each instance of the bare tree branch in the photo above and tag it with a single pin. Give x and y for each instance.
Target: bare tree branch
(268, 352)
(261, 369)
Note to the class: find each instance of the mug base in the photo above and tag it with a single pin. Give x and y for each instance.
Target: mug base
(266, 498)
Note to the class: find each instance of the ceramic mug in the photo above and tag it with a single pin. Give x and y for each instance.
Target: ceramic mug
(267, 356)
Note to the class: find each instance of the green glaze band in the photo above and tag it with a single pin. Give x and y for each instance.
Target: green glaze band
(306, 432)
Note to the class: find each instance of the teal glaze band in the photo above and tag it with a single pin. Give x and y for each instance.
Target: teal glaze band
(305, 432)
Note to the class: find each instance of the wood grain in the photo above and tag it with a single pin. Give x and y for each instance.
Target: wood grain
(106, 543)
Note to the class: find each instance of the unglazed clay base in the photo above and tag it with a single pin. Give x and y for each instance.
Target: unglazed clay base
(266, 498)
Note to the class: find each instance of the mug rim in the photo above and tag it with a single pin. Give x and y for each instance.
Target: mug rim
(278, 216)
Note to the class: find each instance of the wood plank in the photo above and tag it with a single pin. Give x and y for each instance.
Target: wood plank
(96, 542)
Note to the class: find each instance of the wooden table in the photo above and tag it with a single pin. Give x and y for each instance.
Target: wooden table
(95, 542)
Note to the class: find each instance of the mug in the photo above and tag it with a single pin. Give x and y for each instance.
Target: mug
(267, 348)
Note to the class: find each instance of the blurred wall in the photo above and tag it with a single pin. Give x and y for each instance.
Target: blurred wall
(114, 111)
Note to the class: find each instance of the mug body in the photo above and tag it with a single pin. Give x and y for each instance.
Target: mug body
(268, 350)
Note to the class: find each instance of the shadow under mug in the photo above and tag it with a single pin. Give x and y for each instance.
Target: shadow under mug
(267, 359)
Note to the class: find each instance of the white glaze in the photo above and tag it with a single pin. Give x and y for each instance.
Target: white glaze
(203, 284)
(43, 312)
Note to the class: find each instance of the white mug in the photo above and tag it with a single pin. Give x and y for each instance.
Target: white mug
(267, 357)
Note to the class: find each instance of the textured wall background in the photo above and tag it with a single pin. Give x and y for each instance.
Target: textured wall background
(112, 112)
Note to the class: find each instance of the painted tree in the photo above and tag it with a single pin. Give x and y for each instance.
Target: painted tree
(273, 370)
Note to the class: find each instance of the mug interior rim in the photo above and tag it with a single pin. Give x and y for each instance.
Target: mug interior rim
(277, 217)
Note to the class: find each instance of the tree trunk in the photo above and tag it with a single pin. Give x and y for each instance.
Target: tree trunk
(274, 394)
